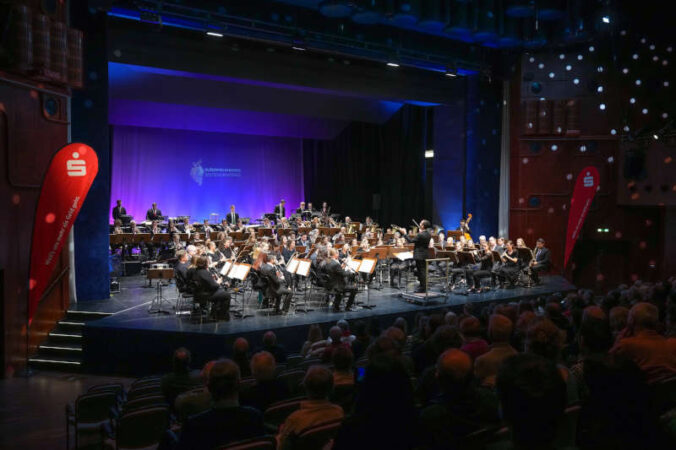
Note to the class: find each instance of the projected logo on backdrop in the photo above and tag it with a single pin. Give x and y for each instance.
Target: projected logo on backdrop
(198, 173)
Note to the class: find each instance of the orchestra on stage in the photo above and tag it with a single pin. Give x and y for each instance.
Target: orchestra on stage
(280, 256)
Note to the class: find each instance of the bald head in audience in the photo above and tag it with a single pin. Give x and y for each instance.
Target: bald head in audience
(499, 328)
(224, 380)
(263, 366)
(454, 368)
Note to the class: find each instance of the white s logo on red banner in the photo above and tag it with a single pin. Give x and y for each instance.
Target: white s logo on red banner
(76, 167)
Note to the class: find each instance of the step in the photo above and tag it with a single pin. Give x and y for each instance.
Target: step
(71, 351)
(84, 316)
(69, 326)
(55, 363)
(59, 337)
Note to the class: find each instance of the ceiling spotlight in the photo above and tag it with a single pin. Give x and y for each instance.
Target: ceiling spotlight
(583, 148)
(644, 110)
(611, 159)
(632, 100)
(626, 128)
(613, 131)
(541, 66)
(214, 34)
(635, 56)
(599, 89)
(638, 82)
(569, 67)
(552, 74)
(392, 64)
(554, 147)
(605, 19)
(591, 48)
(576, 81)
(602, 106)
(580, 57)
(665, 115)
(562, 56)
(625, 71)
(655, 136)
(652, 47)
(599, 69)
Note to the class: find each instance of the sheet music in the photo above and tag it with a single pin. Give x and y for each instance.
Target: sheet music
(403, 256)
(367, 265)
(303, 268)
(292, 266)
(239, 271)
(226, 267)
(354, 264)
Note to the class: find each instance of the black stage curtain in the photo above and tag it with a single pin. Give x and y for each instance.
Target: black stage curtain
(370, 170)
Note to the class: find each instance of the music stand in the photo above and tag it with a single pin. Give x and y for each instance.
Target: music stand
(367, 266)
(158, 273)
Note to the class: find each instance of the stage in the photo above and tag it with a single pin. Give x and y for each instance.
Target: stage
(134, 342)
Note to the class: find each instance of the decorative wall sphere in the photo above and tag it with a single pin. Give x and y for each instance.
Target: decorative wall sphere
(580, 57)
(541, 66)
(665, 115)
(626, 128)
(638, 82)
(634, 56)
(632, 100)
(602, 106)
(599, 69)
(552, 74)
(625, 71)
(569, 67)
(591, 48)
(666, 84)
(562, 56)
(531, 59)
(554, 147)
(656, 58)
(669, 49)
(576, 81)
(613, 131)
(652, 47)
(665, 62)
(599, 89)
(644, 110)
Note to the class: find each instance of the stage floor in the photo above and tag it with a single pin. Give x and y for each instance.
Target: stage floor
(142, 343)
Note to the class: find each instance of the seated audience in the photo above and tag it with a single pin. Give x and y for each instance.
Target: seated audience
(267, 389)
(270, 345)
(594, 340)
(486, 366)
(336, 341)
(195, 400)
(226, 421)
(532, 398)
(181, 378)
(546, 340)
(474, 344)
(640, 342)
(240, 354)
(315, 410)
(384, 415)
(314, 335)
(344, 326)
(460, 408)
(342, 366)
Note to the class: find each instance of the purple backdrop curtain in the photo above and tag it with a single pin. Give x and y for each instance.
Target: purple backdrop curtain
(198, 173)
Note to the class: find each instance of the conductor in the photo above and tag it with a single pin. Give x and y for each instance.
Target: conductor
(420, 251)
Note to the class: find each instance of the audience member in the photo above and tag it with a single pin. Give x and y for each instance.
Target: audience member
(486, 366)
(195, 400)
(654, 354)
(315, 410)
(314, 335)
(362, 339)
(343, 361)
(240, 354)
(461, 408)
(594, 340)
(444, 337)
(344, 326)
(267, 389)
(181, 378)
(270, 345)
(384, 415)
(226, 421)
(532, 398)
(335, 338)
(546, 339)
(474, 344)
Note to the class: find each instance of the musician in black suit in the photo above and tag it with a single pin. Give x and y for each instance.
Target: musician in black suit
(232, 217)
(118, 211)
(208, 289)
(280, 209)
(542, 261)
(182, 269)
(154, 213)
(276, 287)
(301, 208)
(336, 281)
(510, 264)
(420, 251)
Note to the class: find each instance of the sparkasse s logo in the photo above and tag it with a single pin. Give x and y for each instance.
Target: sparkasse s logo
(76, 167)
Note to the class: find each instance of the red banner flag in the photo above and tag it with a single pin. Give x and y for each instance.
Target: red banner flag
(585, 188)
(70, 174)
